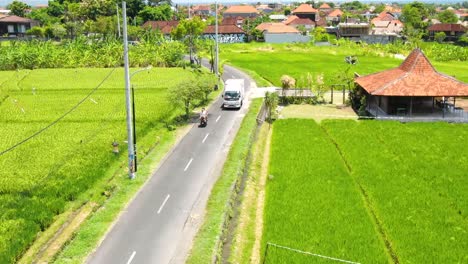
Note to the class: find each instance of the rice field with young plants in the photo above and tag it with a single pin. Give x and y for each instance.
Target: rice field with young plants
(369, 192)
(38, 178)
(270, 61)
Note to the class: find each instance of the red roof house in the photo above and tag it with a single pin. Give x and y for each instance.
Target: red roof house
(414, 86)
(452, 31)
(241, 10)
(165, 27)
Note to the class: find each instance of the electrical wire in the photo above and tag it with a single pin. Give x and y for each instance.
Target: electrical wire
(58, 119)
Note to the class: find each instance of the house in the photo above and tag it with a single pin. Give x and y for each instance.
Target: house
(334, 17)
(15, 25)
(414, 89)
(386, 24)
(353, 29)
(325, 8)
(265, 9)
(226, 34)
(452, 31)
(238, 21)
(281, 33)
(201, 10)
(305, 23)
(244, 11)
(165, 27)
(277, 17)
(306, 11)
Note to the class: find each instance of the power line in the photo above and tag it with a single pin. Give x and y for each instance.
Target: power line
(58, 119)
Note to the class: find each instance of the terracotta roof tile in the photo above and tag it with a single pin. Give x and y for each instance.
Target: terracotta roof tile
(290, 19)
(447, 27)
(164, 26)
(16, 19)
(414, 77)
(223, 29)
(336, 13)
(241, 9)
(304, 8)
(301, 21)
(278, 28)
(324, 6)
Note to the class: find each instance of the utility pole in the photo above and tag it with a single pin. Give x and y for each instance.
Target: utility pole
(118, 19)
(216, 39)
(128, 96)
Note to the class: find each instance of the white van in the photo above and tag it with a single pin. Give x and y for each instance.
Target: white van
(233, 93)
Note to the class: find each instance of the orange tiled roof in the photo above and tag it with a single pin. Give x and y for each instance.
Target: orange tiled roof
(281, 28)
(241, 9)
(164, 26)
(414, 77)
(447, 27)
(263, 26)
(304, 8)
(336, 13)
(276, 28)
(324, 6)
(290, 19)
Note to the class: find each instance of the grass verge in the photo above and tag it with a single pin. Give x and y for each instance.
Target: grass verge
(244, 234)
(207, 244)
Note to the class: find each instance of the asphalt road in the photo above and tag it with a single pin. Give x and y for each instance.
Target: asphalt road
(151, 229)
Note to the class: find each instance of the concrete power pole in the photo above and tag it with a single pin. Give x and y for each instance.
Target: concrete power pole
(216, 39)
(128, 104)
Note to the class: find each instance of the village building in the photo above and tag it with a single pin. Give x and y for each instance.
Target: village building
(386, 24)
(452, 31)
(281, 33)
(15, 26)
(306, 11)
(201, 10)
(334, 17)
(165, 27)
(245, 11)
(325, 8)
(414, 90)
(226, 34)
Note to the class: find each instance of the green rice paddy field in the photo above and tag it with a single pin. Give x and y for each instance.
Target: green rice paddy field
(269, 62)
(369, 192)
(38, 178)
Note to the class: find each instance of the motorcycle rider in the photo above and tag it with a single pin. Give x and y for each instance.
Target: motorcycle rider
(204, 114)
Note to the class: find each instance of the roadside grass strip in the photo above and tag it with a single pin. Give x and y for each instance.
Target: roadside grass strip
(207, 244)
(245, 231)
(312, 203)
(415, 176)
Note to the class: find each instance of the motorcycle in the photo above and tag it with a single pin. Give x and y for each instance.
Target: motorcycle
(203, 120)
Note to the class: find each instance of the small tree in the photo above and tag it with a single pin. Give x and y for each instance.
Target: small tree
(189, 30)
(287, 82)
(440, 36)
(206, 83)
(36, 31)
(18, 8)
(184, 94)
(271, 102)
(447, 16)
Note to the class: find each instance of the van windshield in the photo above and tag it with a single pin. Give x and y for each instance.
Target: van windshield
(231, 94)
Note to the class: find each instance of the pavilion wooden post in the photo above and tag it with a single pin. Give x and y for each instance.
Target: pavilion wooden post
(433, 101)
(411, 106)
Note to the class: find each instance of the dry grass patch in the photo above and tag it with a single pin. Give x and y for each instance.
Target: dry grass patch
(317, 112)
